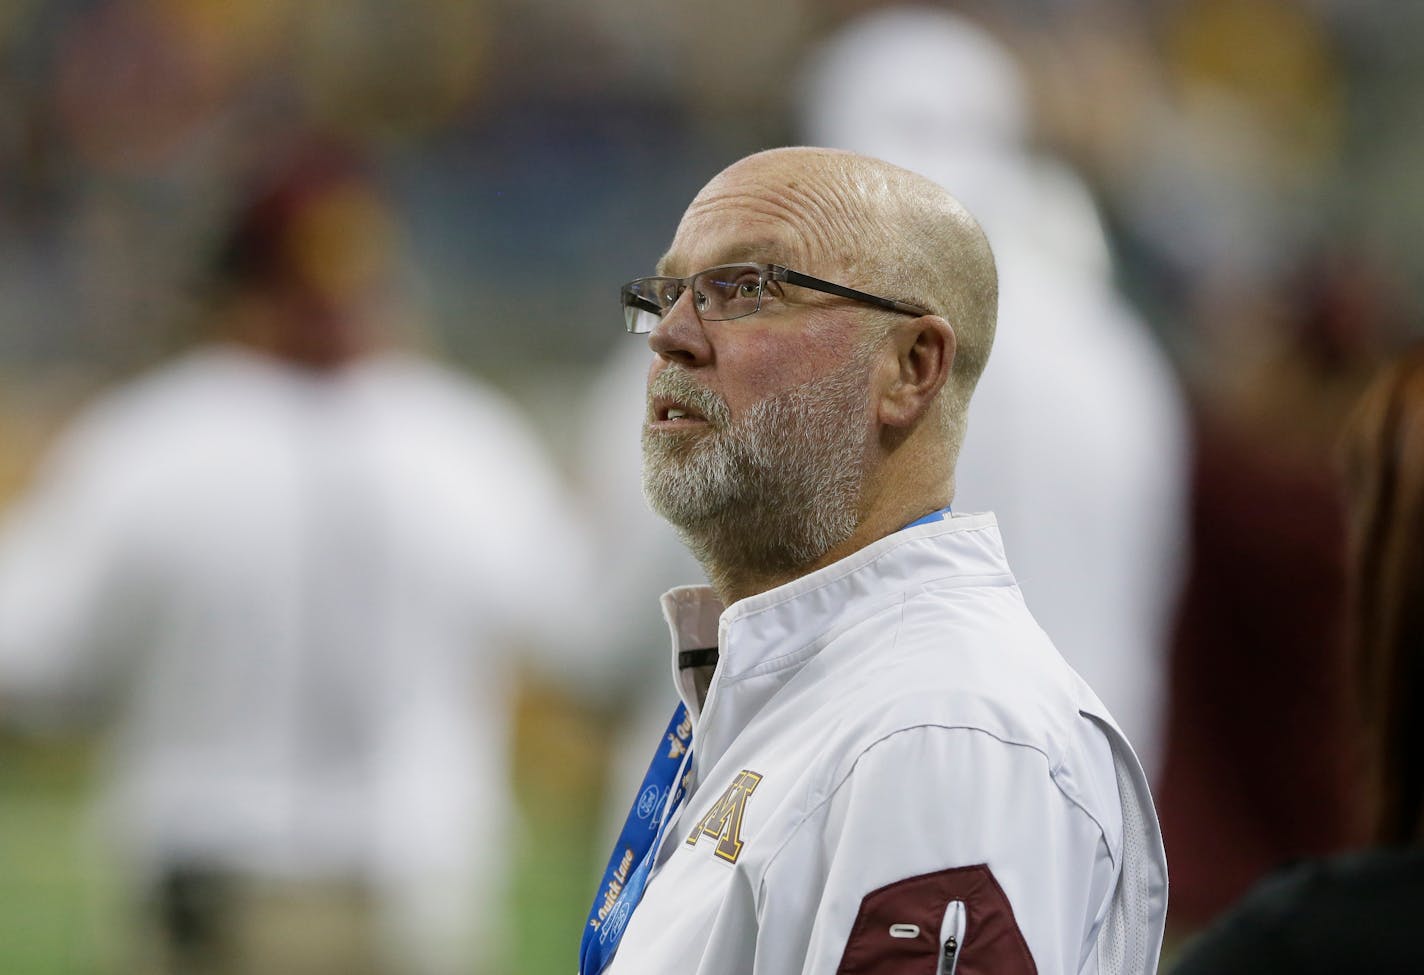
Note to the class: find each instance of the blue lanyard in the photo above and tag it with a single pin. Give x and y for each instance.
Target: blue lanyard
(631, 864)
(939, 515)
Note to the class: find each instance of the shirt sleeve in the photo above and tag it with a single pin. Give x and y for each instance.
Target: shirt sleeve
(63, 587)
(538, 546)
(938, 835)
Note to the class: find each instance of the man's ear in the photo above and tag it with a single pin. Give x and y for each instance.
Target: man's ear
(924, 351)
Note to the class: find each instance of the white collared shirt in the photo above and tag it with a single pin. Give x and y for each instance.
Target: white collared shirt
(897, 715)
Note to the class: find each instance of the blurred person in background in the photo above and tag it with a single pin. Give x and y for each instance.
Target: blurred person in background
(1261, 767)
(289, 566)
(1356, 912)
(1229, 145)
(1079, 435)
(1289, 306)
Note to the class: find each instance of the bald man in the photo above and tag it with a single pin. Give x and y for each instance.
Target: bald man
(881, 764)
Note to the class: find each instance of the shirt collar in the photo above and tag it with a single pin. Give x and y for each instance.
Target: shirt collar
(784, 626)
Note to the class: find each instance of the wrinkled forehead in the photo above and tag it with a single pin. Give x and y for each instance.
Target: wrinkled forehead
(795, 219)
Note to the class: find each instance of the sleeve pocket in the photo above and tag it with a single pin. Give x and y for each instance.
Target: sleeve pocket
(950, 922)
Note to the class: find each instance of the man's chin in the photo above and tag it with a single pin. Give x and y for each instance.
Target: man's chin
(681, 490)
(676, 452)
(677, 441)
(686, 514)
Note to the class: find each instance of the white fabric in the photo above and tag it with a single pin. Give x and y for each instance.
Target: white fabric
(906, 715)
(297, 589)
(1077, 435)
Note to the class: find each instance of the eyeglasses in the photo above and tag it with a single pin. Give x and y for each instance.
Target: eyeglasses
(729, 291)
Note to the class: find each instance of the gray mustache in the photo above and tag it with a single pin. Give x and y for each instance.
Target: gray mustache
(678, 385)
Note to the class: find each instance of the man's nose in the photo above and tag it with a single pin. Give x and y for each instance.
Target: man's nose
(679, 336)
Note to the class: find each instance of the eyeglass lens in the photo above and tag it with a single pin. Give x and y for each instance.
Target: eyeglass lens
(719, 294)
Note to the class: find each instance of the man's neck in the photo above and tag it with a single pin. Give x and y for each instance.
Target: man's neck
(733, 582)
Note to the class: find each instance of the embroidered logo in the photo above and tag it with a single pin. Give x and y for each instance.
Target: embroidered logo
(723, 821)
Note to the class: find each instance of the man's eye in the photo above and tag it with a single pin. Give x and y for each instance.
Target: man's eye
(749, 288)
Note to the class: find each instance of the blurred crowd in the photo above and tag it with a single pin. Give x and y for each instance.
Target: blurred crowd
(215, 216)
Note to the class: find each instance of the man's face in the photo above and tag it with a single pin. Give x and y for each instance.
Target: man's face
(757, 428)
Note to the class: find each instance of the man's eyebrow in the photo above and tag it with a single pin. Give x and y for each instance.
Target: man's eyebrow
(764, 251)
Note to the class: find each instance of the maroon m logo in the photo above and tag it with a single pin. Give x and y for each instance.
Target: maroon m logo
(723, 821)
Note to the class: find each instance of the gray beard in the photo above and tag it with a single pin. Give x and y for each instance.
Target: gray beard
(773, 492)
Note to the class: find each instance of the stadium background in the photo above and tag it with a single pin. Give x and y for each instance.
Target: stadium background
(1256, 161)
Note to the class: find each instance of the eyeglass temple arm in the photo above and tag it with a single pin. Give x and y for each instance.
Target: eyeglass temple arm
(638, 301)
(780, 273)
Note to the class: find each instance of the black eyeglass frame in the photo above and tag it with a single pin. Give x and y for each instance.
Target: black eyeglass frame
(633, 302)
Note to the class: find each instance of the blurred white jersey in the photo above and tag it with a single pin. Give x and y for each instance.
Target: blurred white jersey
(296, 590)
(1077, 436)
